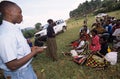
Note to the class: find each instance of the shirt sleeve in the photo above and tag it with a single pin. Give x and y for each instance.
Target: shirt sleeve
(8, 51)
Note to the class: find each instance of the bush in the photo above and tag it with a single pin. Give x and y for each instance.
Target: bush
(29, 33)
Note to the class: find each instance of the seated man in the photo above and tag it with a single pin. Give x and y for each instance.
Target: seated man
(104, 46)
(38, 42)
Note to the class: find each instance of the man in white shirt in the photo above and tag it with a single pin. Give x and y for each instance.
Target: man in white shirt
(15, 53)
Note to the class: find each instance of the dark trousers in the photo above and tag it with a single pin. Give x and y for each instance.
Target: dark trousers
(52, 48)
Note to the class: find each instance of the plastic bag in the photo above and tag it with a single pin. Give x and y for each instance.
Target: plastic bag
(111, 57)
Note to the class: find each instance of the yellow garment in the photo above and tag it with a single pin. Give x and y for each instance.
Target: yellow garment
(100, 29)
(109, 50)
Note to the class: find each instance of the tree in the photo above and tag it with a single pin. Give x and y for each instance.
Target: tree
(28, 33)
(85, 8)
(95, 6)
(38, 26)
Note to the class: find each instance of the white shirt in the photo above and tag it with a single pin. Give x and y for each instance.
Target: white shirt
(116, 32)
(13, 45)
(88, 31)
(82, 43)
(75, 52)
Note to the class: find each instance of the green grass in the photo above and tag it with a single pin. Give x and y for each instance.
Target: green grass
(116, 14)
(64, 68)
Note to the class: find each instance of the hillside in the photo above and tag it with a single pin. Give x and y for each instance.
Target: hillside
(95, 7)
(64, 68)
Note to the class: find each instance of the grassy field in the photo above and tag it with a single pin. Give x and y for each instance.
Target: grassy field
(64, 68)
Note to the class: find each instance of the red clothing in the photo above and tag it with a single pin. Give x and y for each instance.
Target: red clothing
(75, 44)
(95, 44)
(87, 36)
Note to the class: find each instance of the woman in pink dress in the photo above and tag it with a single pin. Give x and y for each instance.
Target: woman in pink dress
(95, 44)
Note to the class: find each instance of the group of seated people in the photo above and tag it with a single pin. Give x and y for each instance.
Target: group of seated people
(105, 33)
(110, 28)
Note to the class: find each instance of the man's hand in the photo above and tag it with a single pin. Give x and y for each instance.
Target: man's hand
(36, 49)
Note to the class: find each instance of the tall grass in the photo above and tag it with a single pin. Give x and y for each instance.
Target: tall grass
(65, 68)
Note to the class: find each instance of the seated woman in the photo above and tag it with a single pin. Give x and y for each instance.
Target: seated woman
(99, 28)
(84, 27)
(76, 42)
(95, 44)
(84, 32)
(97, 60)
(77, 50)
(38, 42)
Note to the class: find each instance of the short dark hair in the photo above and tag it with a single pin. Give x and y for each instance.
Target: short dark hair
(4, 5)
(104, 38)
(95, 31)
(49, 21)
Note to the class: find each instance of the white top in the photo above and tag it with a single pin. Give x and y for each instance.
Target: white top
(88, 31)
(116, 32)
(75, 52)
(13, 45)
(82, 43)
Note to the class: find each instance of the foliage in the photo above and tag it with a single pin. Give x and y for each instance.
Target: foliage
(29, 33)
(65, 68)
(95, 6)
(85, 8)
(113, 5)
(38, 26)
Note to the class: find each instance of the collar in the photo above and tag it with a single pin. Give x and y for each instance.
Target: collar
(8, 24)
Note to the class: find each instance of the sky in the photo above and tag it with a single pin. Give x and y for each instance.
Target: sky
(39, 11)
